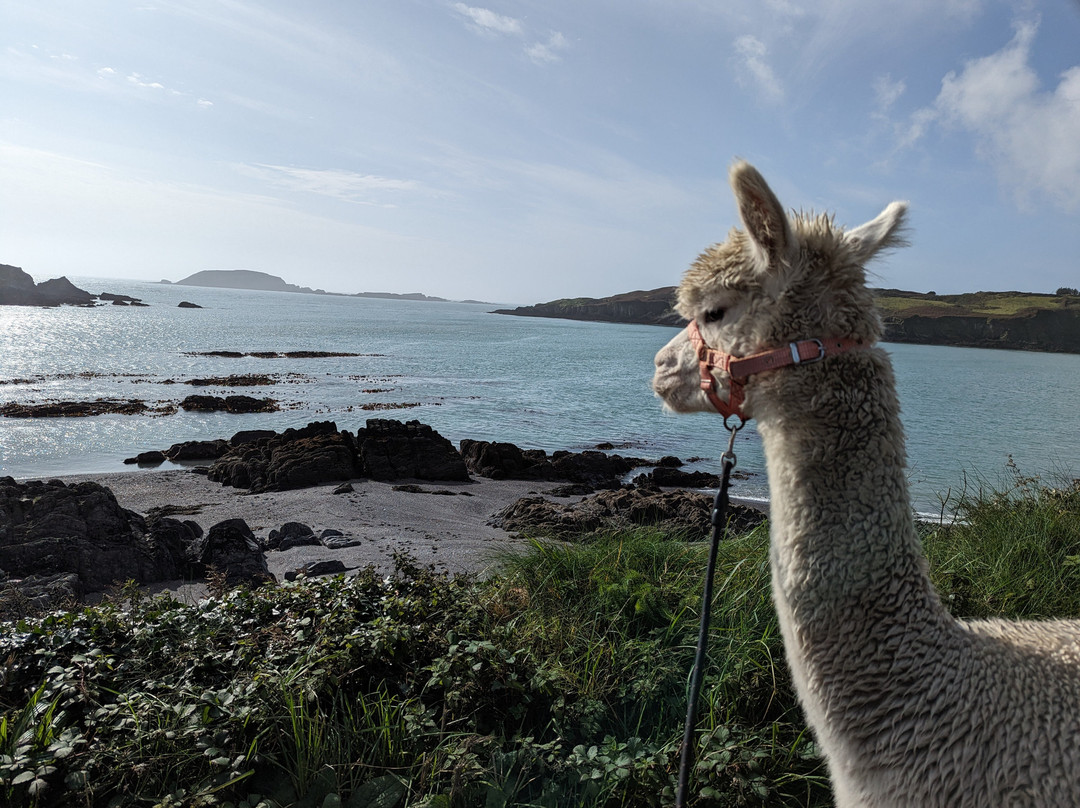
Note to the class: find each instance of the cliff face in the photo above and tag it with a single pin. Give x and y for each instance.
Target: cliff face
(1029, 329)
(1055, 331)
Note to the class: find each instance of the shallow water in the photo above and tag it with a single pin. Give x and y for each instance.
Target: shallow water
(540, 383)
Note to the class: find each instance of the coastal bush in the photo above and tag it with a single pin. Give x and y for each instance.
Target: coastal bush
(1010, 550)
(560, 681)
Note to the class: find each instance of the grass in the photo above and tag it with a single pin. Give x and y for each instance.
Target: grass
(560, 682)
(972, 304)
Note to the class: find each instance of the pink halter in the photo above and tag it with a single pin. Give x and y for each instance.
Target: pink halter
(740, 369)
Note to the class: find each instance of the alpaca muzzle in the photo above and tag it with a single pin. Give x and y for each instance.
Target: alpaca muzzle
(740, 369)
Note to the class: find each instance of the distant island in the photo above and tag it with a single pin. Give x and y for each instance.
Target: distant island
(1010, 320)
(243, 279)
(265, 282)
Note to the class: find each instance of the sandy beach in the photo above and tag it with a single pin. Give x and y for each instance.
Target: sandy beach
(449, 530)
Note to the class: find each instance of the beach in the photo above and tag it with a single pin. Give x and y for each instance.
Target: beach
(448, 529)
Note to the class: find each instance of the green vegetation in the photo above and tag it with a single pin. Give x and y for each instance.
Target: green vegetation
(972, 304)
(560, 682)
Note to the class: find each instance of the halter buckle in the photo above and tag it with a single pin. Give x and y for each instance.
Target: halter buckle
(797, 360)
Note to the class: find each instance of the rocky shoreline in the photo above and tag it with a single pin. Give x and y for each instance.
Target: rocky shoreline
(319, 500)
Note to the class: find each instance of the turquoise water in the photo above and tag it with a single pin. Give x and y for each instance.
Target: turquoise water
(549, 384)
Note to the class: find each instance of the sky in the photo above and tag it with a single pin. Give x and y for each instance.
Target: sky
(515, 151)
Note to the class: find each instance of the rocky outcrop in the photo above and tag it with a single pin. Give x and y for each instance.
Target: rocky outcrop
(17, 288)
(233, 404)
(50, 528)
(78, 409)
(295, 458)
(292, 534)
(684, 511)
(505, 461)
(231, 549)
(676, 478)
(319, 453)
(392, 450)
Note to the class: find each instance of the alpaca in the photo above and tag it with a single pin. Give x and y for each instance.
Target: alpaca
(910, 706)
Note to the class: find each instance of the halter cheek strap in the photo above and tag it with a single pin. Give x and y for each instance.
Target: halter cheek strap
(740, 369)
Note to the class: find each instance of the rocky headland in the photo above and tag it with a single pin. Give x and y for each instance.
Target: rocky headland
(1006, 320)
(17, 288)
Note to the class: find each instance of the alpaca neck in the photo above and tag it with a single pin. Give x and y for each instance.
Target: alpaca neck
(847, 564)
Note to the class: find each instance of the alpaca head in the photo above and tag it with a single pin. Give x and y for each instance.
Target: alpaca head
(776, 281)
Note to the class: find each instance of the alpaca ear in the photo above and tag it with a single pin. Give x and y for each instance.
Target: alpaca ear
(761, 213)
(883, 233)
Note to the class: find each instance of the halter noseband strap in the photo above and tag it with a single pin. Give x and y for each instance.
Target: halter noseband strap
(740, 369)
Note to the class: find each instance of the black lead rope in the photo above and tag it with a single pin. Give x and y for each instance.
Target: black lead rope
(719, 522)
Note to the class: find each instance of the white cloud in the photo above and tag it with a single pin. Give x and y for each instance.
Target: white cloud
(754, 66)
(488, 22)
(887, 92)
(1029, 135)
(340, 184)
(548, 52)
(137, 80)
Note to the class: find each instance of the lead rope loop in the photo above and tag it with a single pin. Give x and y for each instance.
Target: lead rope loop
(719, 523)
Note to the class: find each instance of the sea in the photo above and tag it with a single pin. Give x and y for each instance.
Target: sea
(973, 417)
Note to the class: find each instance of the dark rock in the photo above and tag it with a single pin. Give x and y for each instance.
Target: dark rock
(235, 380)
(684, 511)
(233, 404)
(73, 409)
(197, 450)
(344, 488)
(340, 542)
(391, 450)
(151, 458)
(60, 291)
(49, 528)
(37, 594)
(232, 549)
(314, 568)
(183, 304)
(120, 303)
(505, 461)
(175, 537)
(319, 453)
(674, 478)
(669, 461)
(297, 458)
(329, 533)
(292, 534)
(250, 436)
(122, 299)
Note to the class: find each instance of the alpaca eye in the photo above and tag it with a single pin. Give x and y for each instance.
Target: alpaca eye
(713, 316)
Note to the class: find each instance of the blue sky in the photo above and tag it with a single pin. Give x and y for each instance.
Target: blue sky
(525, 151)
